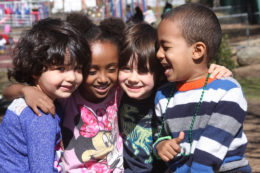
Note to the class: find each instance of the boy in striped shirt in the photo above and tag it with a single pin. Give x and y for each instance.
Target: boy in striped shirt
(209, 113)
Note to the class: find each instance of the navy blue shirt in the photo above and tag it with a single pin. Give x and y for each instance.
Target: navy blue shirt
(136, 121)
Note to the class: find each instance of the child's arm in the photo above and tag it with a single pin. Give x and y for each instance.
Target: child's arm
(33, 97)
(219, 71)
(223, 137)
(168, 149)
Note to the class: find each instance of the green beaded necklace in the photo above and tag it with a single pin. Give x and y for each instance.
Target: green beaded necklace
(193, 119)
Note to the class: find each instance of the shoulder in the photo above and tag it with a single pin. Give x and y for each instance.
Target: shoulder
(227, 83)
(164, 91)
(17, 106)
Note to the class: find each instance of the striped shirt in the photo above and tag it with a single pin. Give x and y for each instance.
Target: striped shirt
(218, 140)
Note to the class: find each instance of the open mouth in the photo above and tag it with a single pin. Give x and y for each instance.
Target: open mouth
(101, 88)
(166, 66)
(133, 86)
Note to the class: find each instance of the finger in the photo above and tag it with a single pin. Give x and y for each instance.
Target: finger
(41, 104)
(166, 157)
(52, 110)
(46, 106)
(220, 74)
(215, 73)
(172, 152)
(180, 137)
(215, 70)
(212, 67)
(225, 74)
(175, 147)
(36, 111)
(50, 106)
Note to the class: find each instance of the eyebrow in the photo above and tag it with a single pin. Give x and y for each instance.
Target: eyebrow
(108, 65)
(112, 64)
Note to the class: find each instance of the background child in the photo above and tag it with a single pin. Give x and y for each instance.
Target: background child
(48, 57)
(210, 112)
(140, 75)
(90, 125)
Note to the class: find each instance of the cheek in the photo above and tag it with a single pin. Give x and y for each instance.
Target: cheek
(79, 77)
(121, 77)
(88, 80)
(149, 81)
(114, 76)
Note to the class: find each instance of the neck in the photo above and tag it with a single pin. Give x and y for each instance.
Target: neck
(197, 74)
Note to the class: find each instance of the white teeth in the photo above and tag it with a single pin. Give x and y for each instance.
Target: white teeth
(134, 86)
(101, 87)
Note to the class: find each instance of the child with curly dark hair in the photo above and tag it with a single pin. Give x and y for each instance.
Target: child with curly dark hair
(90, 132)
(50, 57)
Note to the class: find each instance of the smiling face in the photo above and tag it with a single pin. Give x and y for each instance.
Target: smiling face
(102, 75)
(174, 53)
(136, 84)
(60, 81)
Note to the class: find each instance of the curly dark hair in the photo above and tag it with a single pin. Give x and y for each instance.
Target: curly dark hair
(110, 29)
(45, 45)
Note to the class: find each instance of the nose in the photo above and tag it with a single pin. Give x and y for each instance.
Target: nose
(133, 77)
(70, 76)
(102, 78)
(160, 54)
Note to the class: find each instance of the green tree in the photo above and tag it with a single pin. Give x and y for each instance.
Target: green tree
(223, 56)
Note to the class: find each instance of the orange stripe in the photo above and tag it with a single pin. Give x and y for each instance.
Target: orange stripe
(193, 84)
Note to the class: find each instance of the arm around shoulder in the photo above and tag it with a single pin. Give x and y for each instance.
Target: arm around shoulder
(14, 91)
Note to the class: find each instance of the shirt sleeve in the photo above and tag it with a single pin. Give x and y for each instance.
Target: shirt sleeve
(41, 134)
(160, 133)
(224, 126)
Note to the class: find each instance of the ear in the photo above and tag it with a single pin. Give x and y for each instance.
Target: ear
(199, 50)
(35, 77)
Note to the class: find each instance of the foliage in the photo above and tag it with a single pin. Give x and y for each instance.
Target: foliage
(251, 87)
(223, 56)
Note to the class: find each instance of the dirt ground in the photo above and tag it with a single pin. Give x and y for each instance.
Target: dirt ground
(252, 130)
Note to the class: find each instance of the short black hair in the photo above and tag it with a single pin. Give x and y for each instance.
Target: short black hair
(46, 44)
(198, 23)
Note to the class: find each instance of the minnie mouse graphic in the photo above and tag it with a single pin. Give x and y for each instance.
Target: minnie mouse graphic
(95, 146)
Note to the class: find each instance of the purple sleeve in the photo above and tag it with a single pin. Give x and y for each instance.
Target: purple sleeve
(41, 133)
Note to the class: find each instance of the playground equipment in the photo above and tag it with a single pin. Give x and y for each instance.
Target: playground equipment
(22, 13)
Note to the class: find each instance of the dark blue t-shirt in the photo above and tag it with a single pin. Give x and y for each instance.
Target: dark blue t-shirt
(136, 121)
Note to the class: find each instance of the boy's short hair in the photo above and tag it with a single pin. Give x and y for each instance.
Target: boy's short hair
(198, 23)
(141, 45)
(46, 44)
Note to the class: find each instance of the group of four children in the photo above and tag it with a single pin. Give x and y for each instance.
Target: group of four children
(115, 109)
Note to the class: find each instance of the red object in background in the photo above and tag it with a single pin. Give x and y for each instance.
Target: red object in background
(5, 37)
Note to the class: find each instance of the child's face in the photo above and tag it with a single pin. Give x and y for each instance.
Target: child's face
(174, 53)
(60, 81)
(102, 75)
(136, 85)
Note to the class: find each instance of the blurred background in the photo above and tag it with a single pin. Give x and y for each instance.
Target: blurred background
(239, 50)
